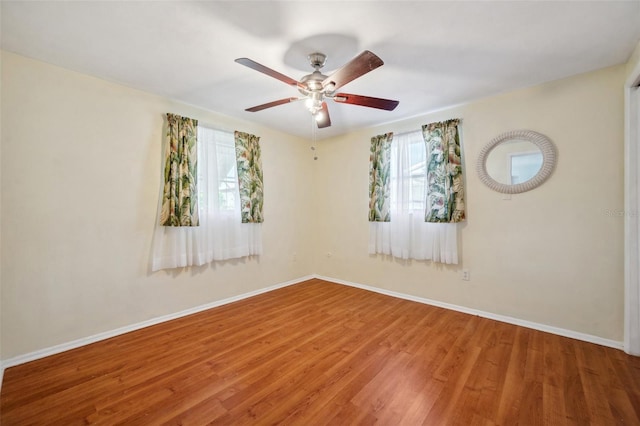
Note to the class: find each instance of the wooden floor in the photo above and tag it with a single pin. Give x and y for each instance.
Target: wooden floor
(319, 353)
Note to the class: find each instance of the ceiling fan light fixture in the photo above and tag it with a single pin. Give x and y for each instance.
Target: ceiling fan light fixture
(309, 103)
(314, 102)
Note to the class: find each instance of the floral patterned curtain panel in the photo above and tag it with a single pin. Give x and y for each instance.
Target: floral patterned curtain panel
(379, 178)
(249, 177)
(445, 187)
(180, 195)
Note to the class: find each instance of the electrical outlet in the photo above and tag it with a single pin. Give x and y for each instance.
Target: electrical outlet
(465, 275)
(329, 254)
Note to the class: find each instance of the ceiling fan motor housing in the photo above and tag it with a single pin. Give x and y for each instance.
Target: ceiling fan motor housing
(312, 82)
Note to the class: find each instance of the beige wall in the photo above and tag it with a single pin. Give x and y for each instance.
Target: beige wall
(552, 256)
(81, 161)
(80, 179)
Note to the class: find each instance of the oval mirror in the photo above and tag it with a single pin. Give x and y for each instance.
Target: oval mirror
(516, 161)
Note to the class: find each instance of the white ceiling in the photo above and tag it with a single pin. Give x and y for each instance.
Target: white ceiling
(436, 54)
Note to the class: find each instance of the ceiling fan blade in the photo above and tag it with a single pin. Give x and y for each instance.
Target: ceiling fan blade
(265, 70)
(358, 66)
(271, 104)
(368, 101)
(322, 117)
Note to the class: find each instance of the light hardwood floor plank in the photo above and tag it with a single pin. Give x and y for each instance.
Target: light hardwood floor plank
(322, 353)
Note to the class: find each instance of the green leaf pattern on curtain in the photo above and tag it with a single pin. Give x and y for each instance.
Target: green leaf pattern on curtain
(379, 178)
(445, 184)
(180, 195)
(250, 183)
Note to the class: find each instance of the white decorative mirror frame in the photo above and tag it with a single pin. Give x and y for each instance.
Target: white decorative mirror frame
(547, 148)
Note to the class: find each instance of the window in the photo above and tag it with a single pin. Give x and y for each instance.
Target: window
(408, 173)
(407, 235)
(218, 176)
(221, 234)
(228, 176)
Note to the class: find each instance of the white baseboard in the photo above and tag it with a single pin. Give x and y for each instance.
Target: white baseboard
(502, 318)
(32, 356)
(21, 359)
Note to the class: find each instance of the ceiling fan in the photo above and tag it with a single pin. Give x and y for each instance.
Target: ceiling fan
(316, 87)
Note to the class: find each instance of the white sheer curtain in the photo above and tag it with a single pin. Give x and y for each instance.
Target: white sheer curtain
(221, 234)
(408, 236)
(632, 228)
